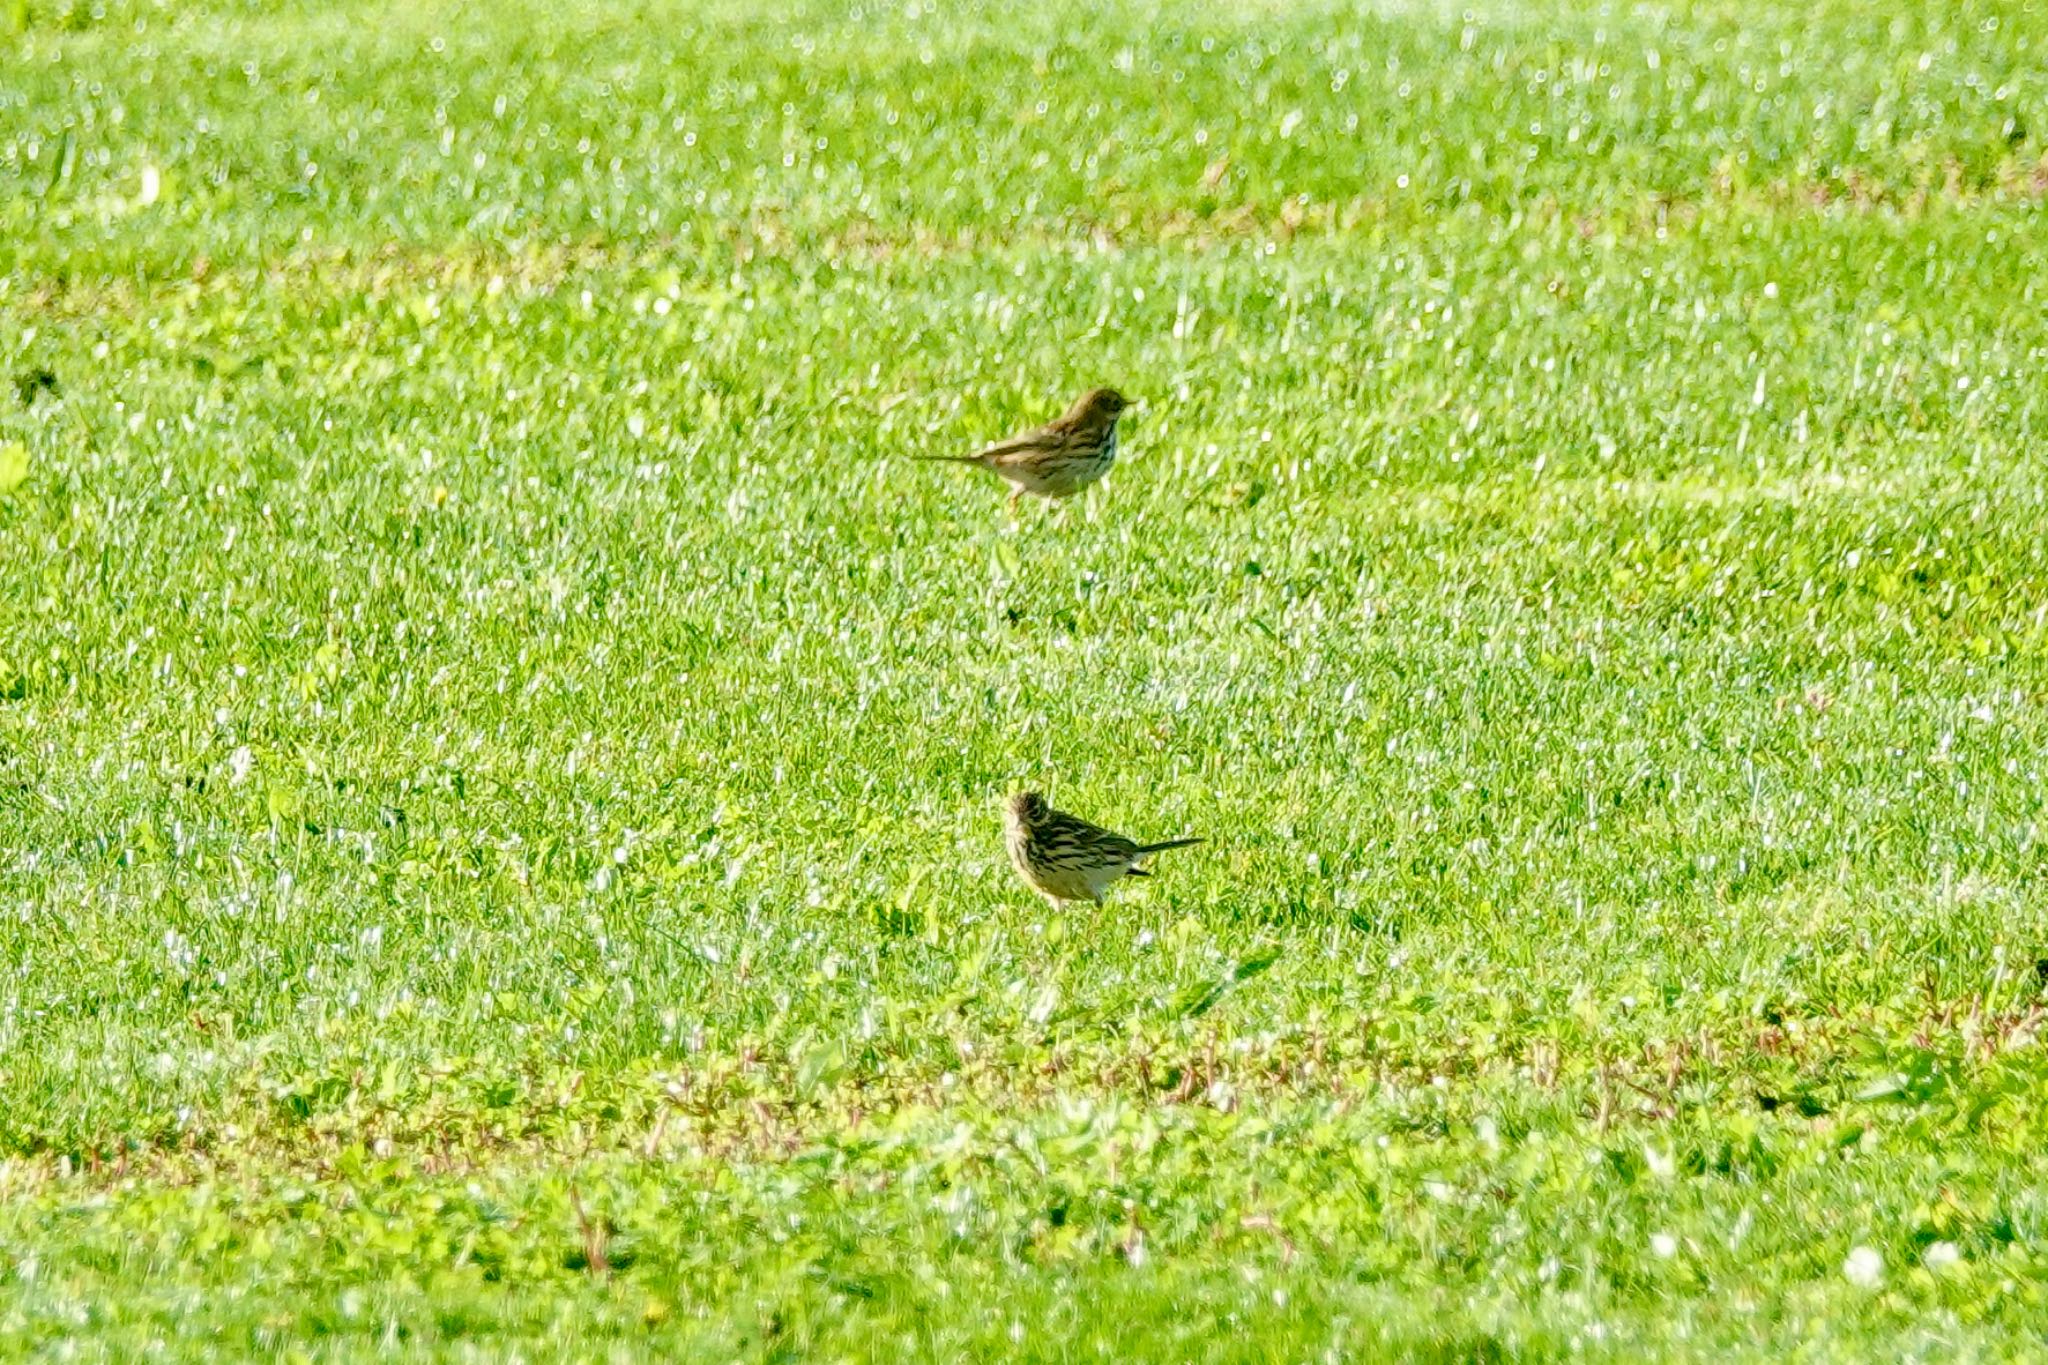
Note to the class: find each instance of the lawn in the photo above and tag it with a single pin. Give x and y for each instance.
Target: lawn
(501, 746)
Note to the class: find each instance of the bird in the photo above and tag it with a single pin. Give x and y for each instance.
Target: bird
(1064, 858)
(1060, 458)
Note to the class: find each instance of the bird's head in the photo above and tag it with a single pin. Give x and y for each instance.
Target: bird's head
(1026, 809)
(1101, 405)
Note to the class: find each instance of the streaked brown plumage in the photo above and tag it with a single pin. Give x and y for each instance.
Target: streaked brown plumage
(1060, 458)
(1063, 857)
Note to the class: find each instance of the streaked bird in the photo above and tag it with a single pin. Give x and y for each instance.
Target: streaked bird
(1063, 857)
(1060, 458)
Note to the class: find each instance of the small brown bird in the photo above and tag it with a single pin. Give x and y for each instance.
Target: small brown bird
(1060, 458)
(1063, 857)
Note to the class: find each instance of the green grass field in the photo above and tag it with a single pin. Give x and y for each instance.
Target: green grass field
(501, 747)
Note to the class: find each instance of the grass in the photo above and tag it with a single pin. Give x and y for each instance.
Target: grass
(499, 748)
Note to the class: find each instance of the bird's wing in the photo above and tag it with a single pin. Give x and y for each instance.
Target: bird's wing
(1031, 446)
(1065, 831)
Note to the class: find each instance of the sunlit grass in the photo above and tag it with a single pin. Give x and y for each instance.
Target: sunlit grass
(500, 747)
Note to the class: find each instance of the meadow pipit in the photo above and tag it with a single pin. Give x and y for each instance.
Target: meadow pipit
(1063, 857)
(1060, 458)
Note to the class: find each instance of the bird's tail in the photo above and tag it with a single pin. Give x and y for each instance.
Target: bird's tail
(1161, 848)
